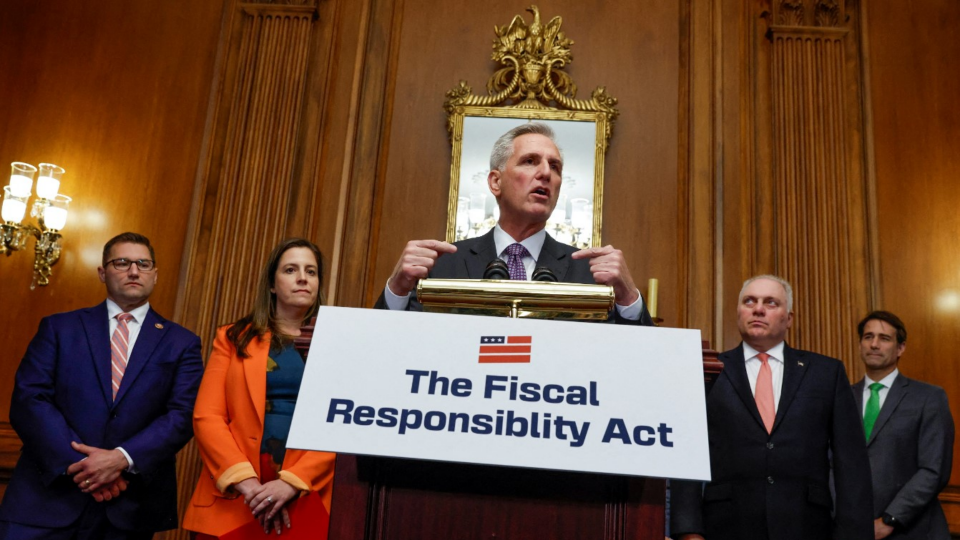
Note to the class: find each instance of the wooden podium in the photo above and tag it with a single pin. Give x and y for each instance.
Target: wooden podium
(377, 498)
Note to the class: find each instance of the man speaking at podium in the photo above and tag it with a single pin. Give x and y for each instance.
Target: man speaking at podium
(526, 170)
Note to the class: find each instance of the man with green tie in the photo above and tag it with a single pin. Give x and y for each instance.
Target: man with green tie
(909, 432)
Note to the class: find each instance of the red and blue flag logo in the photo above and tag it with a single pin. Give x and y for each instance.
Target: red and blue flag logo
(505, 349)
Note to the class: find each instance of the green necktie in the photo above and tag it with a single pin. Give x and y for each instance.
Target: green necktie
(873, 409)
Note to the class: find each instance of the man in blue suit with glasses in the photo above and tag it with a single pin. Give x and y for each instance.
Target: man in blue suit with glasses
(103, 400)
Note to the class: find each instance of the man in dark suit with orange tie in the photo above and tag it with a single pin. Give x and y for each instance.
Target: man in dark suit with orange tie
(103, 401)
(525, 176)
(778, 420)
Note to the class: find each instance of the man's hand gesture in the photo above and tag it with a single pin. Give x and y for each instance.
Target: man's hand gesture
(415, 263)
(610, 268)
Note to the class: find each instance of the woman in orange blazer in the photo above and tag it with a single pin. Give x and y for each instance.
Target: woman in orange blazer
(245, 404)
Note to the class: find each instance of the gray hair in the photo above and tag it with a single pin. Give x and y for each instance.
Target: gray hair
(503, 148)
(784, 283)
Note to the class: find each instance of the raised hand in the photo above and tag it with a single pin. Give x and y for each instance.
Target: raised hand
(609, 267)
(415, 262)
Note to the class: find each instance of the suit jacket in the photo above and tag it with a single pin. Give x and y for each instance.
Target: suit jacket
(474, 254)
(911, 454)
(228, 421)
(777, 485)
(63, 393)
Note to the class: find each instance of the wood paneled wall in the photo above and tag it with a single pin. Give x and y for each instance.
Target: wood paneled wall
(816, 198)
(915, 65)
(116, 93)
(745, 145)
(781, 104)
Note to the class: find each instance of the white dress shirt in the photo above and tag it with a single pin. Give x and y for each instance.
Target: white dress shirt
(133, 328)
(776, 369)
(534, 245)
(887, 382)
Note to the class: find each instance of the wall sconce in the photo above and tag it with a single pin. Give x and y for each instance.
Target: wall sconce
(50, 210)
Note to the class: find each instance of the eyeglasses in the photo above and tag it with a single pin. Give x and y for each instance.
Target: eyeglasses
(144, 265)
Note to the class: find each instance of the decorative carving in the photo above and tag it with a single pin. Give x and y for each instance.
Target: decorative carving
(532, 51)
(821, 13)
(828, 13)
(790, 13)
(532, 57)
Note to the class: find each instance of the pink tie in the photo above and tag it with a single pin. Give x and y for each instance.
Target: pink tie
(764, 392)
(119, 350)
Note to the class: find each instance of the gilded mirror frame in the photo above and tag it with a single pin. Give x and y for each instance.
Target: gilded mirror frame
(530, 85)
(578, 216)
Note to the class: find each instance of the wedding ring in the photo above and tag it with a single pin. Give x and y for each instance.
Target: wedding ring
(86, 482)
(269, 499)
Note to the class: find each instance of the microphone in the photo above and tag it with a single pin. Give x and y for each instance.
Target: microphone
(542, 273)
(497, 269)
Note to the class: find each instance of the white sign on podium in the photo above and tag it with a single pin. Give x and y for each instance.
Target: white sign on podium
(562, 395)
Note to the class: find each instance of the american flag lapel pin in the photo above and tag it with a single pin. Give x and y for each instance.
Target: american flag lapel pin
(159, 326)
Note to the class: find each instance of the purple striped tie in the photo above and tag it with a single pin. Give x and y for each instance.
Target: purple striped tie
(119, 350)
(515, 254)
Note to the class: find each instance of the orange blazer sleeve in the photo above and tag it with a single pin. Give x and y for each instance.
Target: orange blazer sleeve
(223, 429)
(307, 470)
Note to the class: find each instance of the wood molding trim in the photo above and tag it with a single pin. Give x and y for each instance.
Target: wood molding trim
(9, 454)
(362, 180)
(869, 163)
(950, 500)
(700, 171)
(9, 451)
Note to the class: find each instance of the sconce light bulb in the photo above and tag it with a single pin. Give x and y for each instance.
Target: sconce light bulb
(20, 185)
(47, 187)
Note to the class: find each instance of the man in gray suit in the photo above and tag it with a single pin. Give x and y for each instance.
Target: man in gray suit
(909, 433)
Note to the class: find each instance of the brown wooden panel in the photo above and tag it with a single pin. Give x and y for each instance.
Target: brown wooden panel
(915, 65)
(361, 193)
(335, 123)
(387, 498)
(247, 186)
(116, 93)
(792, 197)
(818, 208)
(9, 454)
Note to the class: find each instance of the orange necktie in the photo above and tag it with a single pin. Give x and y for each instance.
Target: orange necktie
(764, 392)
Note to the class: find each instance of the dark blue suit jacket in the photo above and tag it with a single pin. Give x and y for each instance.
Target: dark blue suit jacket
(474, 254)
(777, 486)
(63, 393)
